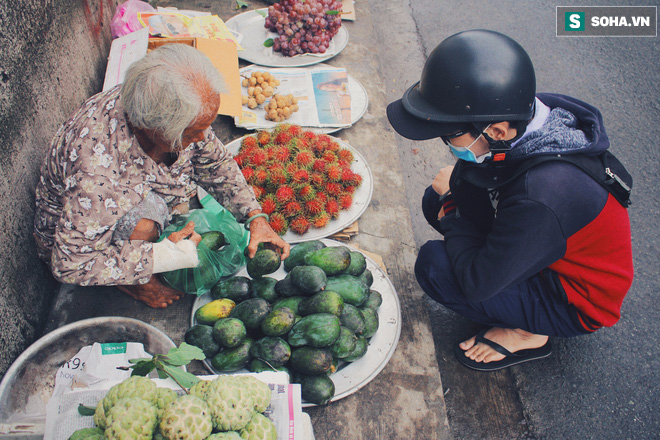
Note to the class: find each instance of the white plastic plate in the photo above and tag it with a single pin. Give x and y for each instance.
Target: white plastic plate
(248, 29)
(361, 197)
(351, 376)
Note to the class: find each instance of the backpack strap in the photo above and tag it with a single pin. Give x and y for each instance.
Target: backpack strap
(604, 168)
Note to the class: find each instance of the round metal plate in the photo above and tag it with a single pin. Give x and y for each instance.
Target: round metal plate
(250, 33)
(351, 376)
(31, 378)
(361, 197)
(359, 103)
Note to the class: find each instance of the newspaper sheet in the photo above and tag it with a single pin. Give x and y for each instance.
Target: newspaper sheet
(181, 25)
(87, 377)
(323, 95)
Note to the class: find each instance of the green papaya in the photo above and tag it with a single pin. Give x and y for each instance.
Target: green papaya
(317, 330)
(352, 318)
(350, 288)
(292, 302)
(310, 360)
(235, 288)
(232, 359)
(374, 300)
(278, 321)
(325, 301)
(332, 259)
(367, 277)
(361, 346)
(201, 336)
(345, 343)
(370, 322)
(297, 254)
(252, 312)
(358, 264)
(210, 312)
(308, 279)
(213, 240)
(285, 287)
(264, 287)
(265, 261)
(229, 332)
(258, 366)
(318, 389)
(271, 349)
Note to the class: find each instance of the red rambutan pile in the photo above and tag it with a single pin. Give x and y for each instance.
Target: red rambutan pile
(301, 179)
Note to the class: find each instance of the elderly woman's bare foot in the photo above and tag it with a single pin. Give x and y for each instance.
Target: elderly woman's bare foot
(512, 339)
(154, 293)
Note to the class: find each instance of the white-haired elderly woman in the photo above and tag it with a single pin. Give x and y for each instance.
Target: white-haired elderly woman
(126, 161)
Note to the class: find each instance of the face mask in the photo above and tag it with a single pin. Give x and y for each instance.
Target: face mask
(464, 153)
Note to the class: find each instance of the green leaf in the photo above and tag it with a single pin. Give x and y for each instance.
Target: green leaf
(183, 355)
(333, 12)
(143, 368)
(162, 374)
(135, 361)
(86, 410)
(260, 12)
(269, 43)
(183, 378)
(241, 4)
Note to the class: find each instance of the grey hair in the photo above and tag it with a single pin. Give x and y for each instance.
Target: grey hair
(162, 91)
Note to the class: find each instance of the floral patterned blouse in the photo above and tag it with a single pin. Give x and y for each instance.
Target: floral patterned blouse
(95, 173)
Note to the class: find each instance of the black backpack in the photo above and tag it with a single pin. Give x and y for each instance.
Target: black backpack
(604, 168)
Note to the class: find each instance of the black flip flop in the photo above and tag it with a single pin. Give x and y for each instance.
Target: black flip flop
(518, 357)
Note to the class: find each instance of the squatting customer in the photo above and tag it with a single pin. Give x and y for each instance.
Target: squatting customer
(127, 160)
(536, 233)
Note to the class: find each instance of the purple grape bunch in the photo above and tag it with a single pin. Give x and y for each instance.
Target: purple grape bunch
(303, 26)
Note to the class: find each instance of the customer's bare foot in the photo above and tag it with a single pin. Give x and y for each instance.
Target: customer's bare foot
(154, 293)
(511, 339)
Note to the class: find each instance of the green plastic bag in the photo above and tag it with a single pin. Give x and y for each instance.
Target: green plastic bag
(213, 265)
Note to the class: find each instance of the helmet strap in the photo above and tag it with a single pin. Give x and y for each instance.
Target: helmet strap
(499, 149)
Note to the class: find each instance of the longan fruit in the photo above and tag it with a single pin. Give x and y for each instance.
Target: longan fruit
(260, 98)
(244, 99)
(245, 82)
(252, 81)
(252, 103)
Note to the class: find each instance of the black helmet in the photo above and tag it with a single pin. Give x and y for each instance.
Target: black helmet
(472, 76)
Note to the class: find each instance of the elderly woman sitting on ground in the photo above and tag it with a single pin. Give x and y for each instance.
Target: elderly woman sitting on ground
(126, 161)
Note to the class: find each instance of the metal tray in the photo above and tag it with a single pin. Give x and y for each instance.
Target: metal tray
(361, 197)
(351, 376)
(359, 103)
(250, 33)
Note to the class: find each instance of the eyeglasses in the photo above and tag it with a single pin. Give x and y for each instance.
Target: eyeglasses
(446, 138)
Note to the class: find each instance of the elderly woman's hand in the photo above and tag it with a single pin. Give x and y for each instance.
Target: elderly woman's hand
(261, 232)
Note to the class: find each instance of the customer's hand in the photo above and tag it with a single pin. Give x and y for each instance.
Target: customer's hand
(441, 182)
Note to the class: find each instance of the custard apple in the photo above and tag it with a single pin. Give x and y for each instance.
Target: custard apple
(199, 389)
(134, 386)
(131, 418)
(259, 428)
(99, 415)
(230, 402)
(229, 435)
(165, 396)
(186, 418)
(88, 434)
(260, 392)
